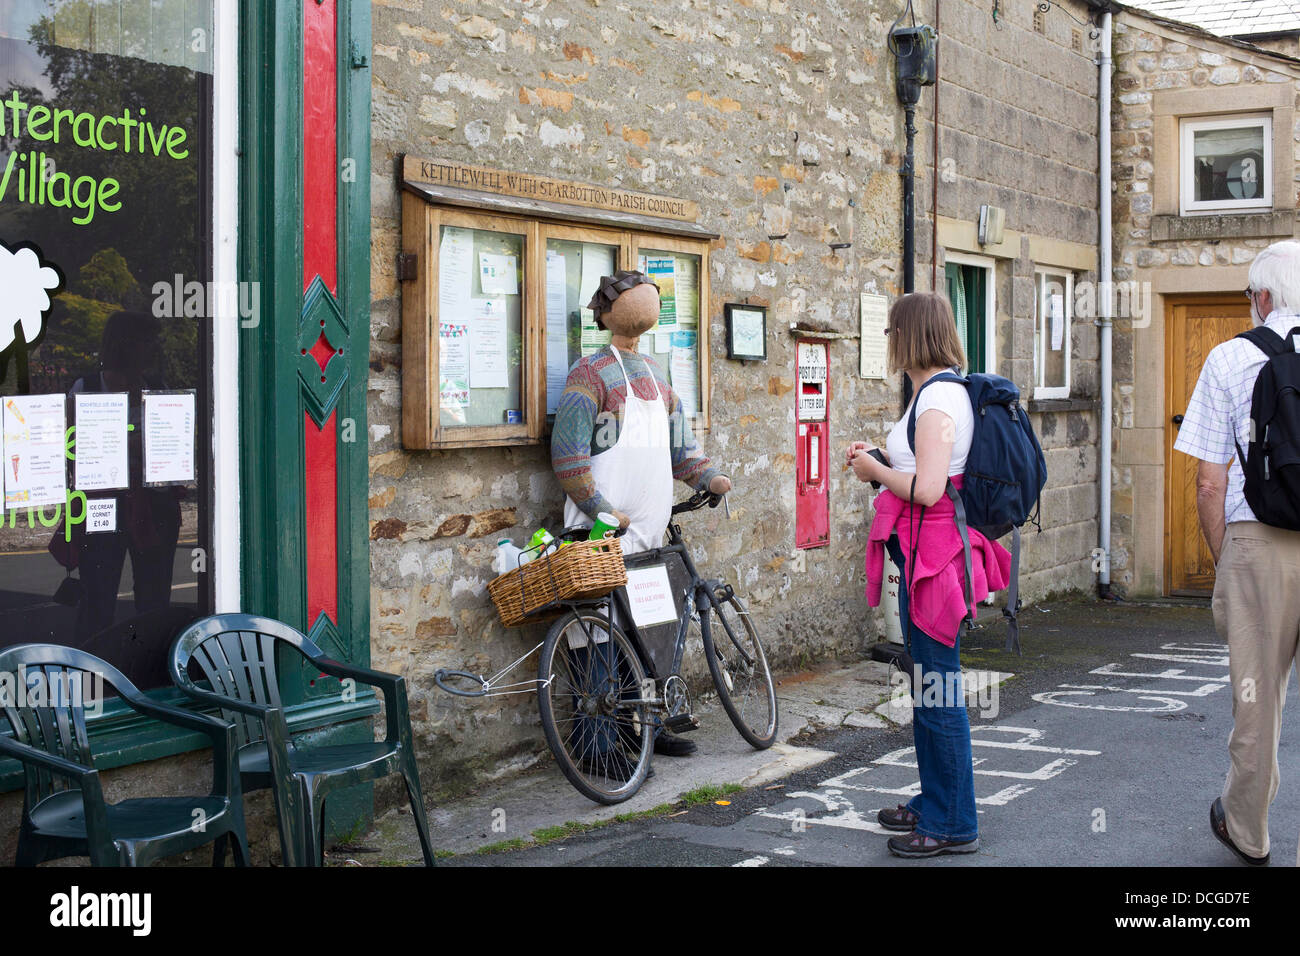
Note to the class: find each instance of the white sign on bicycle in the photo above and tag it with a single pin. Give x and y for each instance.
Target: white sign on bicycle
(650, 595)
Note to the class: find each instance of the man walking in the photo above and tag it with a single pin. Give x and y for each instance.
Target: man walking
(1257, 566)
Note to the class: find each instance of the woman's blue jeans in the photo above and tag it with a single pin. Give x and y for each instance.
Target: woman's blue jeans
(945, 807)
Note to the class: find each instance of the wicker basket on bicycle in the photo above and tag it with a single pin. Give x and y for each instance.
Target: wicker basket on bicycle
(582, 569)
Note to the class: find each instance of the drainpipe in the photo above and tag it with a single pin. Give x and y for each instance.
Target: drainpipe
(1104, 300)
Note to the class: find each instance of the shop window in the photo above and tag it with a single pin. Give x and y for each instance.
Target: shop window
(1054, 294)
(106, 338)
(495, 314)
(1227, 164)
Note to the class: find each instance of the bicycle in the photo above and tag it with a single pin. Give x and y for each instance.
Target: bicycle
(606, 684)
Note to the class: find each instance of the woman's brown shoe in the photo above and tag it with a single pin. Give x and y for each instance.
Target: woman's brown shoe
(900, 819)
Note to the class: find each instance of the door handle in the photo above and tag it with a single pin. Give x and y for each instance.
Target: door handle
(1178, 420)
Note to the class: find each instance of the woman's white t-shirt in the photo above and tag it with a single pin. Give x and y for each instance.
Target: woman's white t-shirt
(954, 401)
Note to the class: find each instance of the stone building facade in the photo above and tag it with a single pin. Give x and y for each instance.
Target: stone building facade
(778, 117)
(1168, 74)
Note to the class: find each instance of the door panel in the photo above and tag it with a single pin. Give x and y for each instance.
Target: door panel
(1193, 326)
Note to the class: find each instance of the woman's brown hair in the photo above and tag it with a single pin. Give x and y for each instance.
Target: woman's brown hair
(923, 333)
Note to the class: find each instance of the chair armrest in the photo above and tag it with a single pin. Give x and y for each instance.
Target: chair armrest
(213, 727)
(393, 685)
(54, 764)
(225, 772)
(363, 675)
(226, 703)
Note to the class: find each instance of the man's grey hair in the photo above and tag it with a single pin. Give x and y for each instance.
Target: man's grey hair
(1277, 269)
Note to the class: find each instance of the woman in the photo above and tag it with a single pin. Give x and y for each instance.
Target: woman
(915, 521)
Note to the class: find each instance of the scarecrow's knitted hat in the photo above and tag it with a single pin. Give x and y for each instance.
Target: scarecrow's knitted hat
(611, 287)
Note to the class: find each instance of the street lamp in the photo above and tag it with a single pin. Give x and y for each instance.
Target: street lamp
(914, 50)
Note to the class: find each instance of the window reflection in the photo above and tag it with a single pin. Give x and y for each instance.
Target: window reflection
(105, 158)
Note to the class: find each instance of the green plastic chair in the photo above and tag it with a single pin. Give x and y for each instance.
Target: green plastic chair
(236, 654)
(44, 692)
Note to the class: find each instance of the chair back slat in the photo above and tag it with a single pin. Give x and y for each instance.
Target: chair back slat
(227, 679)
(52, 687)
(236, 654)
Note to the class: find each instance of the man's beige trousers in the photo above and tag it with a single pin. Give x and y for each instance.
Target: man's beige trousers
(1257, 613)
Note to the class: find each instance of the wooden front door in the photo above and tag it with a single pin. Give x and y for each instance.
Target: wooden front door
(1193, 326)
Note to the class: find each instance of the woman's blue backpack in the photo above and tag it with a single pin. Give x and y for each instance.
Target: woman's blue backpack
(1004, 478)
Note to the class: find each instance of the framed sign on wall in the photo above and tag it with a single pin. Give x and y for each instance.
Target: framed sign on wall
(746, 332)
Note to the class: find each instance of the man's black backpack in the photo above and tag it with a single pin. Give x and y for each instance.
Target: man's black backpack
(1272, 462)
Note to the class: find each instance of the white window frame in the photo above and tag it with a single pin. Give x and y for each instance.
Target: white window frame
(1042, 330)
(989, 265)
(224, 560)
(1188, 128)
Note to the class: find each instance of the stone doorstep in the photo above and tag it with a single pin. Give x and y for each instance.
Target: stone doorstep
(825, 698)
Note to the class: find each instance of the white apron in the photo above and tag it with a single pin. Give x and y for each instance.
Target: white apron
(636, 475)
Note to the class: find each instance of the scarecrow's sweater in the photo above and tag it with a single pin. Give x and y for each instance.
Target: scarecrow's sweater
(589, 416)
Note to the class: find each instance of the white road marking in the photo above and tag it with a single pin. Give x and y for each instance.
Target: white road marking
(752, 861)
(838, 811)
(1167, 704)
(1205, 690)
(1165, 700)
(1173, 673)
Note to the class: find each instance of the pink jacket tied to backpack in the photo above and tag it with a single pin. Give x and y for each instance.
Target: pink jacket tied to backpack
(936, 586)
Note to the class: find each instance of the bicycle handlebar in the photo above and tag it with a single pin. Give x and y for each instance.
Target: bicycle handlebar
(697, 501)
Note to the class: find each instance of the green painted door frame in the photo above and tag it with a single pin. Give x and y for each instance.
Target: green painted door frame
(274, 388)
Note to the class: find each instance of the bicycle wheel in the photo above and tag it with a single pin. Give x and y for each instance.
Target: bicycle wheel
(739, 668)
(589, 699)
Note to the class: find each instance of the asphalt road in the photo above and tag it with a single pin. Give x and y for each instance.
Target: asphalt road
(1106, 748)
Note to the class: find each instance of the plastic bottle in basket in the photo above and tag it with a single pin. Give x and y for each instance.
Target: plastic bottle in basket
(542, 542)
(509, 557)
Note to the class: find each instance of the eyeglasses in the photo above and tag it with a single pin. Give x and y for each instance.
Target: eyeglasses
(888, 330)
(1250, 293)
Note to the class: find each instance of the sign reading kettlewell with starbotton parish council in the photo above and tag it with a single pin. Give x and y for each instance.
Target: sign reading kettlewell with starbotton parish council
(442, 172)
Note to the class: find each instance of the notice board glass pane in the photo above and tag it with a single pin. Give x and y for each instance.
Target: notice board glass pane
(675, 340)
(480, 327)
(573, 273)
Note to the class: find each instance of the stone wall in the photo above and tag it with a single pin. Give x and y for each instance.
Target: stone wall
(1018, 129)
(780, 118)
(1162, 74)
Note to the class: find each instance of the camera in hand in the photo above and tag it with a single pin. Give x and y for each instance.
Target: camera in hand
(877, 454)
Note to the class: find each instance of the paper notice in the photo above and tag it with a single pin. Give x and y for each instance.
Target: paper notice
(498, 274)
(453, 350)
(101, 515)
(101, 448)
(875, 315)
(557, 330)
(663, 272)
(685, 374)
(650, 596)
(34, 447)
(489, 366)
(686, 289)
(597, 261)
(1056, 308)
(169, 420)
(453, 368)
(455, 274)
